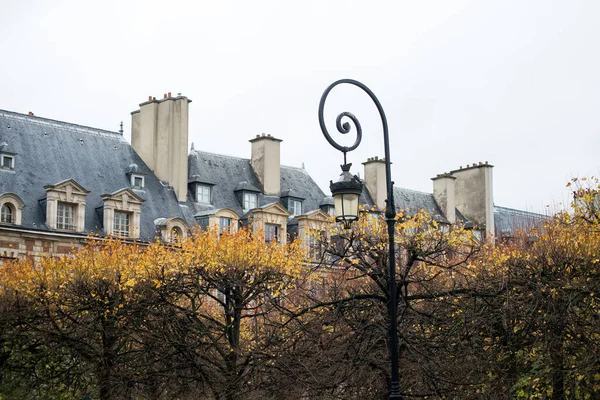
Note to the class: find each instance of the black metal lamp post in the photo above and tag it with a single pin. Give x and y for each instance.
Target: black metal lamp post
(346, 193)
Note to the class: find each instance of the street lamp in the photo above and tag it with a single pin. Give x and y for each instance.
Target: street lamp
(346, 193)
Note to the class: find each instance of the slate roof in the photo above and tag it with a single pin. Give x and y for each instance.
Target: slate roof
(50, 151)
(413, 201)
(229, 174)
(509, 220)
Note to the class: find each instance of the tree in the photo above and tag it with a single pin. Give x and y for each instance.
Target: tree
(432, 269)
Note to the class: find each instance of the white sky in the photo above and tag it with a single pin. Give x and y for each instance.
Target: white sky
(515, 83)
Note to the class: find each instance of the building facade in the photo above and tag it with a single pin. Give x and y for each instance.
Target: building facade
(61, 182)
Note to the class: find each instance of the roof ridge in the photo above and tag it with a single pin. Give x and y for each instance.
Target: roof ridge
(412, 190)
(56, 123)
(519, 211)
(219, 154)
(240, 158)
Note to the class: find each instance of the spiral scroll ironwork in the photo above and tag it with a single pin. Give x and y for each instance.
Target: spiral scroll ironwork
(344, 127)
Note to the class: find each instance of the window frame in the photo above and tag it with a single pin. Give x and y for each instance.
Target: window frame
(269, 237)
(12, 213)
(198, 196)
(247, 197)
(225, 227)
(135, 177)
(63, 209)
(118, 223)
(4, 157)
(295, 206)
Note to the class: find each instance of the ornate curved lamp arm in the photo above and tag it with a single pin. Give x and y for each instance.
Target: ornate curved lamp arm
(345, 128)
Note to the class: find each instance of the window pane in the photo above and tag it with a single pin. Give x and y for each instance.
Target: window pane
(225, 224)
(64, 216)
(271, 233)
(138, 181)
(295, 207)
(7, 214)
(7, 161)
(203, 193)
(250, 201)
(121, 225)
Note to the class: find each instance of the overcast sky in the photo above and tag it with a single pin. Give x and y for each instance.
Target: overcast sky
(515, 83)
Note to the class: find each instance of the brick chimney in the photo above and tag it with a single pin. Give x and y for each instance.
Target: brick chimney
(375, 181)
(475, 196)
(444, 195)
(159, 134)
(266, 162)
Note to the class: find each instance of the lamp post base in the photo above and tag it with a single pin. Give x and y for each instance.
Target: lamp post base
(395, 391)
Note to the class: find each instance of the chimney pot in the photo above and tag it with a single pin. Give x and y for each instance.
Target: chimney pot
(460, 167)
(164, 96)
(486, 163)
(169, 94)
(153, 98)
(149, 98)
(31, 113)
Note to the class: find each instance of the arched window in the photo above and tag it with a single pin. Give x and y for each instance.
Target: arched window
(7, 214)
(176, 234)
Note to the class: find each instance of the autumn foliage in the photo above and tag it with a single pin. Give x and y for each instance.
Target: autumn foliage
(228, 316)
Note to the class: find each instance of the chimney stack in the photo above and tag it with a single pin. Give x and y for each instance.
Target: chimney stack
(444, 195)
(266, 162)
(159, 134)
(475, 196)
(375, 180)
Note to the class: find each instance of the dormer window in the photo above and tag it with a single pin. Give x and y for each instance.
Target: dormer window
(136, 177)
(327, 206)
(11, 207)
(65, 206)
(292, 200)
(137, 181)
(203, 194)
(121, 213)
(7, 161)
(247, 195)
(250, 201)
(295, 207)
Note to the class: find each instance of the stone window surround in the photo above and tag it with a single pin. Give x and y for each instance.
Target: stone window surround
(70, 192)
(17, 206)
(124, 200)
(313, 221)
(214, 220)
(274, 214)
(166, 225)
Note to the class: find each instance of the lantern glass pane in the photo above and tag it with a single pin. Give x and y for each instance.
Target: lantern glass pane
(346, 205)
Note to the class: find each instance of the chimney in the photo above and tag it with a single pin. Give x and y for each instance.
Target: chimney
(375, 181)
(159, 134)
(474, 195)
(444, 195)
(266, 162)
